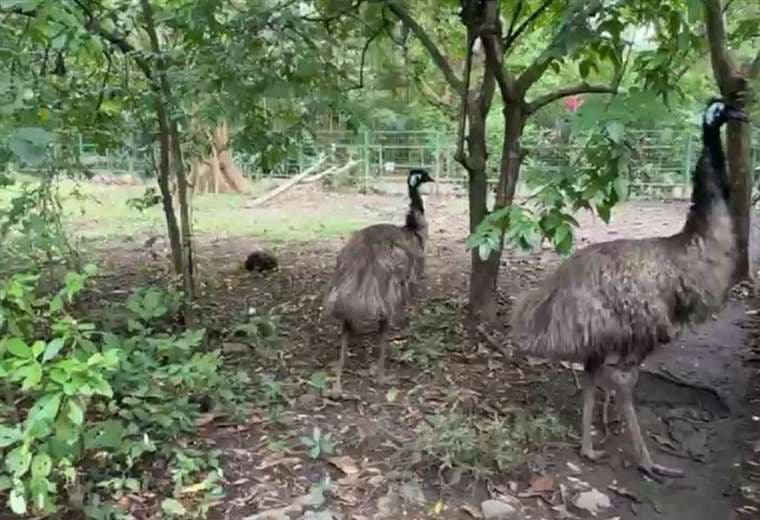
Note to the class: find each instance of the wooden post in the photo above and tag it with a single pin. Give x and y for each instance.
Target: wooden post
(366, 160)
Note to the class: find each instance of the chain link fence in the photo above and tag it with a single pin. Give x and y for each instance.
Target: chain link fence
(660, 165)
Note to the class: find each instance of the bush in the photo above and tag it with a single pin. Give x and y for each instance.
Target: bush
(85, 406)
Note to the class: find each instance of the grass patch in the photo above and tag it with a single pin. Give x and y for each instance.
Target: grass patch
(96, 212)
(482, 446)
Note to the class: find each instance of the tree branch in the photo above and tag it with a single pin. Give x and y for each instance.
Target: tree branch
(513, 36)
(722, 63)
(582, 88)
(464, 98)
(536, 69)
(425, 39)
(369, 41)
(513, 21)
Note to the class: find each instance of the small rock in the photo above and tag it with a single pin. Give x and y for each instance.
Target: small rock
(592, 501)
(233, 347)
(498, 510)
(412, 493)
(389, 506)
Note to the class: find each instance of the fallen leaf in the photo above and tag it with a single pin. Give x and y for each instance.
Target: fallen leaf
(346, 464)
(391, 395)
(623, 492)
(204, 419)
(542, 484)
(437, 507)
(271, 462)
(471, 510)
(574, 468)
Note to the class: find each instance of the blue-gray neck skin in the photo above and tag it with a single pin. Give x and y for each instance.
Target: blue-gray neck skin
(709, 178)
(416, 208)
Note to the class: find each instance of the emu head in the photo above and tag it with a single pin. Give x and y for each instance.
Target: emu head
(417, 177)
(719, 111)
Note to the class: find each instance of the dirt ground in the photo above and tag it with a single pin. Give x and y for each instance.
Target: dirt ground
(699, 398)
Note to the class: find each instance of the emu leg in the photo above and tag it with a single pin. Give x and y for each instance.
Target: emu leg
(383, 344)
(589, 390)
(626, 381)
(338, 388)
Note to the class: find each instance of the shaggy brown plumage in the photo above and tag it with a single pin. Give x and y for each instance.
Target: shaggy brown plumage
(376, 274)
(261, 261)
(610, 304)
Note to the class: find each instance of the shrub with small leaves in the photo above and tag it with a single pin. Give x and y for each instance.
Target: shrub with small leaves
(87, 405)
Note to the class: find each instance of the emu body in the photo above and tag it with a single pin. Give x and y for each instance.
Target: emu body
(376, 274)
(611, 304)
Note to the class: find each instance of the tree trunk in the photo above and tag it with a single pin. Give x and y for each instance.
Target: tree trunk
(733, 85)
(171, 148)
(483, 274)
(739, 152)
(164, 176)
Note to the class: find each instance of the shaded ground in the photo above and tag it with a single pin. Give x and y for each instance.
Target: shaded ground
(697, 400)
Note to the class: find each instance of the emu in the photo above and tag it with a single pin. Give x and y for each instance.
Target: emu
(611, 304)
(376, 275)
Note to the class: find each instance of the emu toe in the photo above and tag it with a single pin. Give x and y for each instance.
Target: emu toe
(657, 471)
(593, 455)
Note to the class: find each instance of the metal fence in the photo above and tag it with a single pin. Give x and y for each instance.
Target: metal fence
(660, 165)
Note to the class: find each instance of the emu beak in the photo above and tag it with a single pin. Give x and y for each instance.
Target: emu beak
(736, 114)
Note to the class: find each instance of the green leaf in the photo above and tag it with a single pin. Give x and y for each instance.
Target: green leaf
(30, 144)
(18, 460)
(621, 187)
(108, 434)
(9, 436)
(18, 348)
(52, 349)
(615, 131)
(604, 212)
(173, 507)
(45, 409)
(584, 68)
(76, 414)
(17, 501)
(37, 348)
(5, 482)
(33, 376)
(41, 465)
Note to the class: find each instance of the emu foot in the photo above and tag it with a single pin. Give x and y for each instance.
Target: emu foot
(593, 455)
(656, 472)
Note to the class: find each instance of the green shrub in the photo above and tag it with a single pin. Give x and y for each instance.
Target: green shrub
(85, 406)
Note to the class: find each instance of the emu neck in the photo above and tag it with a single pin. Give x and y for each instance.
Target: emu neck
(415, 218)
(710, 182)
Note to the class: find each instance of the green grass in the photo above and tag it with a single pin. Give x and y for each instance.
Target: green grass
(97, 212)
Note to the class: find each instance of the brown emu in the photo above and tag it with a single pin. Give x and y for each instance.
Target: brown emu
(376, 273)
(610, 304)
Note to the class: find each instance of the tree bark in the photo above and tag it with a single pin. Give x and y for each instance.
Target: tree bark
(171, 148)
(483, 274)
(733, 85)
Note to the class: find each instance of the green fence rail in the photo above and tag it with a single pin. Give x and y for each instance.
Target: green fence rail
(661, 163)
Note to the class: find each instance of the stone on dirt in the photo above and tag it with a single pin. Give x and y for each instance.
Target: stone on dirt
(498, 510)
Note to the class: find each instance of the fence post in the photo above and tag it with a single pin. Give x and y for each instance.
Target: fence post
(366, 160)
(438, 173)
(687, 163)
(301, 165)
